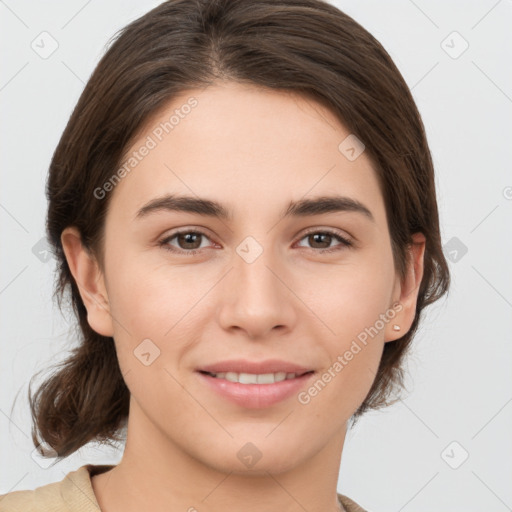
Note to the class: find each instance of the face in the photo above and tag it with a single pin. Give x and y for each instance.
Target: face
(185, 288)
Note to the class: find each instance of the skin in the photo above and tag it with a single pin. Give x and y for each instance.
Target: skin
(253, 150)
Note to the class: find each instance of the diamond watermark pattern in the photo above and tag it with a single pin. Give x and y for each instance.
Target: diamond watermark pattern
(249, 454)
(351, 147)
(146, 352)
(454, 455)
(43, 462)
(454, 45)
(44, 45)
(249, 249)
(454, 249)
(41, 250)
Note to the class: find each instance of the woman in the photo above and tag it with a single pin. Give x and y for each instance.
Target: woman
(244, 211)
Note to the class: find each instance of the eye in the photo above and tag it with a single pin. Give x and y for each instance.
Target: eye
(325, 237)
(188, 241)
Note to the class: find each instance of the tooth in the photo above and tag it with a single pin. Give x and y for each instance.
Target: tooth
(248, 378)
(279, 376)
(266, 378)
(231, 376)
(251, 378)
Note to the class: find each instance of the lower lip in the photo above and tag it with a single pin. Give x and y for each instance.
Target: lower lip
(256, 396)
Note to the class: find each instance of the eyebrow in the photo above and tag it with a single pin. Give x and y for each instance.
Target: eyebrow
(301, 208)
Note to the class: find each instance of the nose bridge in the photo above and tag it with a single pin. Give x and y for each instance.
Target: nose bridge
(258, 300)
(256, 281)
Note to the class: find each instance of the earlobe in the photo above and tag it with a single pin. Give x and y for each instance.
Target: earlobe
(408, 290)
(89, 280)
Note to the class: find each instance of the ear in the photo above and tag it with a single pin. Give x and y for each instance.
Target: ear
(90, 281)
(405, 293)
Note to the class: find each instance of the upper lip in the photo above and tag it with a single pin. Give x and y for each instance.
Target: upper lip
(256, 367)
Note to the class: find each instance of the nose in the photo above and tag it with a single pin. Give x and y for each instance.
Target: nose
(256, 298)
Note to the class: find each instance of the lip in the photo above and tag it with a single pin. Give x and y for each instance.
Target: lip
(255, 396)
(259, 367)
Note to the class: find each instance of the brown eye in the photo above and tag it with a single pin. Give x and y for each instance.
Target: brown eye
(321, 241)
(187, 242)
(320, 238)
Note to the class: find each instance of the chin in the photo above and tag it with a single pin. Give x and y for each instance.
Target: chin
(255, 458)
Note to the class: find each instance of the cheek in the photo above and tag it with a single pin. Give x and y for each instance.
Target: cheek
(157, 302)
(150, 293)
(348, 297)
(353, 303)
(353, 358)
(342, 387)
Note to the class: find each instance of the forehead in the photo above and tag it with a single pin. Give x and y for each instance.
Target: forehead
(249, 148)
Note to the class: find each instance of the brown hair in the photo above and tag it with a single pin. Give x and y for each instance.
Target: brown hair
(306, 46)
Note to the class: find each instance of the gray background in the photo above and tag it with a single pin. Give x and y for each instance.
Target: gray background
(459, 401)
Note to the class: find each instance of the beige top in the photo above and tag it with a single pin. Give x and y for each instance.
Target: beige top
(75, 494)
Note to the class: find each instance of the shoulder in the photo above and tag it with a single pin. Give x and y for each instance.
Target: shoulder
(350, 505)
(41, 499)
(74, 492)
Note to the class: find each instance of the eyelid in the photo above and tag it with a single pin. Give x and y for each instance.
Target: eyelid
(187, 229)
(333, 231)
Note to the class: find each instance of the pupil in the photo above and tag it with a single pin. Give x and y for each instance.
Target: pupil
(187, 240)
(317, 235)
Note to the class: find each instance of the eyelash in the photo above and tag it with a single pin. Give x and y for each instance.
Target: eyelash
(345, 244)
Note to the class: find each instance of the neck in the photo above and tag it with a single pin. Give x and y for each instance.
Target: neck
(157, 474)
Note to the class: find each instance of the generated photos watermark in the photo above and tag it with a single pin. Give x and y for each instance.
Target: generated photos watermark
(144, 149)
(357, 345)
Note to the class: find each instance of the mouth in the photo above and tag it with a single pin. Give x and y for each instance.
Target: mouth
(256, 378)
(255, 391)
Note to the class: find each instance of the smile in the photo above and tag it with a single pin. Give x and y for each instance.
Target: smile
(255, 391)
(252, 378)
